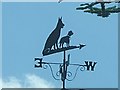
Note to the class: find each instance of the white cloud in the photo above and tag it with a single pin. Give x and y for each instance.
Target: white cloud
(12, 82)
(0, 84)
(30, 81)
(37, 82)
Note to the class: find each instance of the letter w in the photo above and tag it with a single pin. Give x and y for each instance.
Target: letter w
(89, 64)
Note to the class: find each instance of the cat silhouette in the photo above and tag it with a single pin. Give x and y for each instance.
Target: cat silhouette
(66, 39)
(52, 40)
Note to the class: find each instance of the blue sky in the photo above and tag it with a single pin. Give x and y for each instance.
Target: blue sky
(26, 26)
(54, 0)
(1, 39)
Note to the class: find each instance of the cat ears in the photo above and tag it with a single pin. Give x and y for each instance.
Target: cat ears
(60, 18)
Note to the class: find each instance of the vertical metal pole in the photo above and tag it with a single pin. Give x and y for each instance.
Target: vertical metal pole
(64, 71)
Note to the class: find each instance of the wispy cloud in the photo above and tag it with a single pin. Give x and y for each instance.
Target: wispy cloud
(12, 82)
(30, 81)
(37, 82)
(0, 83)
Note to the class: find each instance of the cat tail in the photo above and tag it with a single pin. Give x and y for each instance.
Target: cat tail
(45, 51)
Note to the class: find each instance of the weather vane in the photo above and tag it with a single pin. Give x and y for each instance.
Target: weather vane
(52, 46)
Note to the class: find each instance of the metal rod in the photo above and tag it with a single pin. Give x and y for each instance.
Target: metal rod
(62, 63)
(64, 71)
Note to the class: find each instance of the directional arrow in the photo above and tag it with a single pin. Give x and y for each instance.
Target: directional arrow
(63, 49)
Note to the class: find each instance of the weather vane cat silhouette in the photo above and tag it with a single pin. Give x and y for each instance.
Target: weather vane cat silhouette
(52, 40)
(51, 45)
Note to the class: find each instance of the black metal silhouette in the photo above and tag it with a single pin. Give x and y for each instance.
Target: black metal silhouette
(63, 49)
(103, 12)
(52, 40)
(66, 39)
(63, 72)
